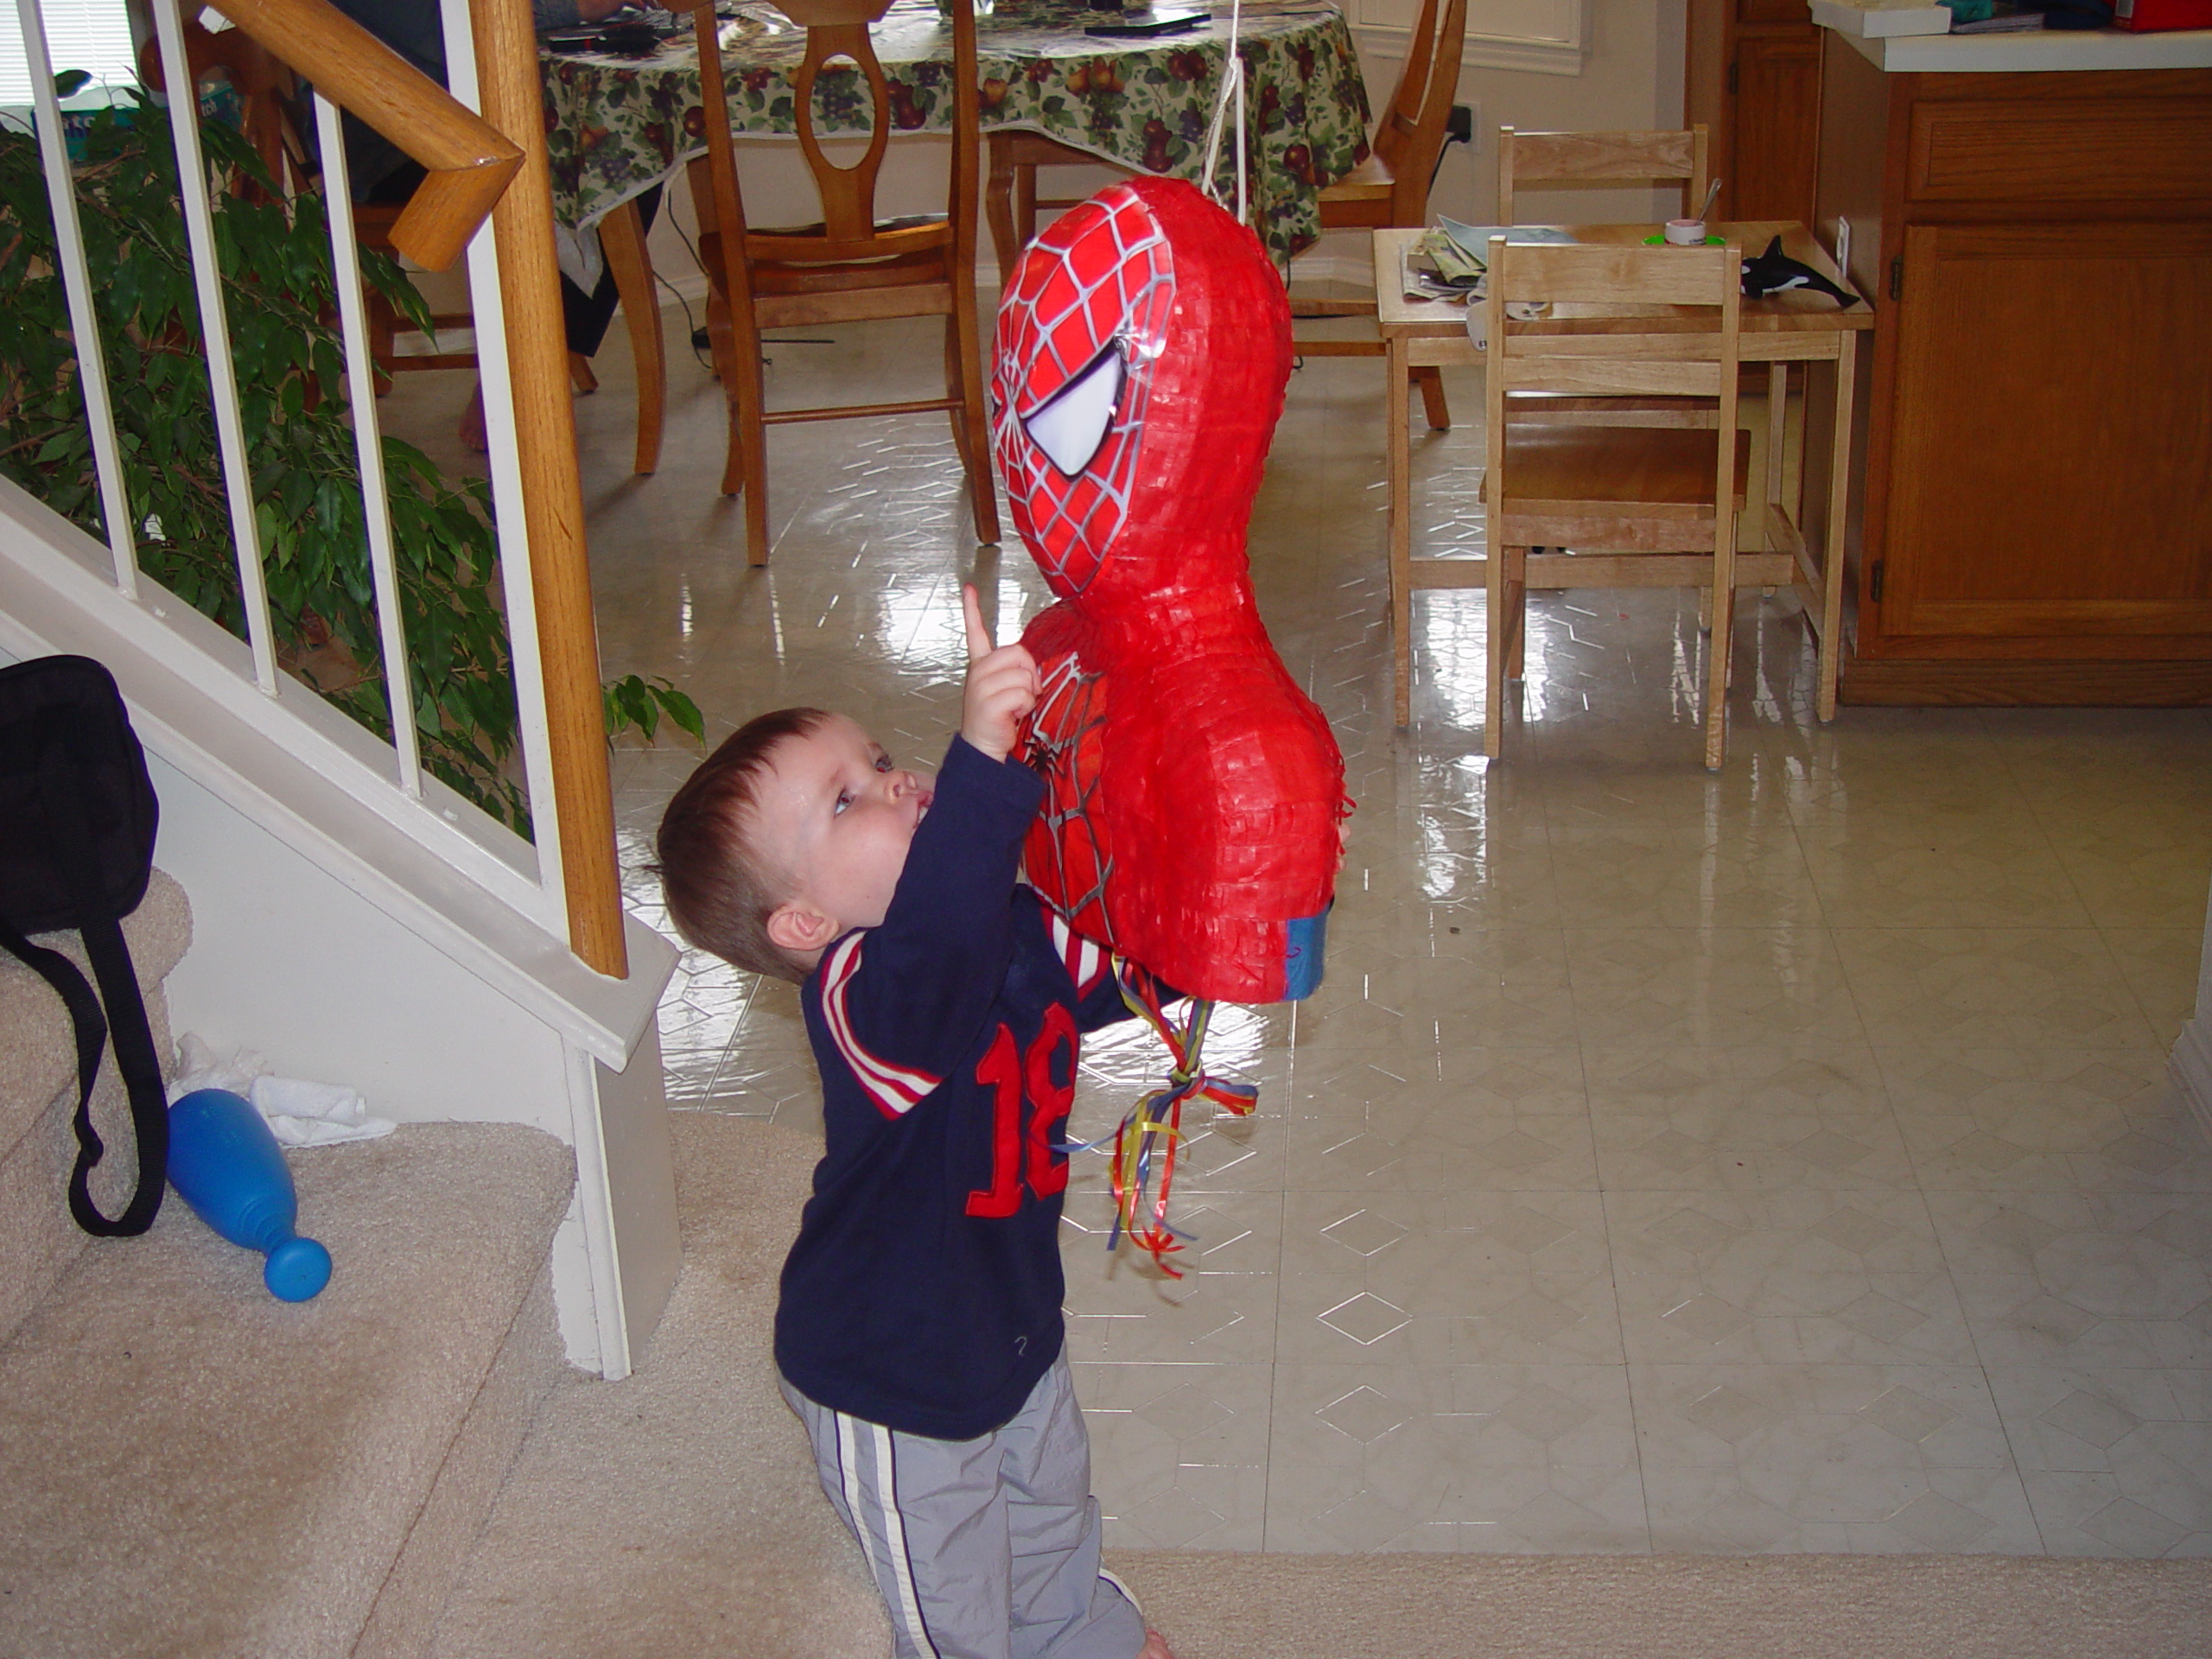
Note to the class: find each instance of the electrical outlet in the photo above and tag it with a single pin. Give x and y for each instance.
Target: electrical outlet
(1459, 125)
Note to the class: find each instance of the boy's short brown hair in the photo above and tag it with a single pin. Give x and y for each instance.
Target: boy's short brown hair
(721, 891)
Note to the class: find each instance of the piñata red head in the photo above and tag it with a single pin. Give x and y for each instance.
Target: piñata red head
(1194, 792)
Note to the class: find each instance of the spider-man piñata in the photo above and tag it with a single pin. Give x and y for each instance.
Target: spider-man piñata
(1193, 792)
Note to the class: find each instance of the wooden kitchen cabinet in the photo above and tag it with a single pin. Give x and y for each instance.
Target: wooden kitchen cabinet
(2034, 524)
(1753, 78)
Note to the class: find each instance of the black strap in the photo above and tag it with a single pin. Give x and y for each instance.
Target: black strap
(70, 840)
(76, 994)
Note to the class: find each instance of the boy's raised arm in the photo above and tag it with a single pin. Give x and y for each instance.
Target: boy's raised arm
(904, 999)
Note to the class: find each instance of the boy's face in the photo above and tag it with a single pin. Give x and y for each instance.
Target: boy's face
(837, 817)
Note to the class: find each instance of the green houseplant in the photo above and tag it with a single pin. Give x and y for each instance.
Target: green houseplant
(275, 258)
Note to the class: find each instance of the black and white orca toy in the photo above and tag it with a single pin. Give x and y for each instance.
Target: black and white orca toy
(1771, 272)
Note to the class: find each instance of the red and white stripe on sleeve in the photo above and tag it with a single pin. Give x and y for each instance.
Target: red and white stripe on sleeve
(1087, 964)
(895, 1089)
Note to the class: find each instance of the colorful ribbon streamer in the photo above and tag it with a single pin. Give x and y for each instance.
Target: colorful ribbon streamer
(1145, 1144)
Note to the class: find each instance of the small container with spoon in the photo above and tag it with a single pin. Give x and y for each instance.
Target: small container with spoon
(1690, 232)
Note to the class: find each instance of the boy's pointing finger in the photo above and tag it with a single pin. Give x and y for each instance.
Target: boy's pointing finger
(980, 643)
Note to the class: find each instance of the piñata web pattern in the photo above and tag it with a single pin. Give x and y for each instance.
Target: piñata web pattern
(1101, 274)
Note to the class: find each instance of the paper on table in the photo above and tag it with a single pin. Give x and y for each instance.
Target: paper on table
(1474, 239)
(1517, 310)
(1420, 285)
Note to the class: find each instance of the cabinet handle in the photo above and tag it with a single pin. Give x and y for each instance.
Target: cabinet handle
(1897, 277)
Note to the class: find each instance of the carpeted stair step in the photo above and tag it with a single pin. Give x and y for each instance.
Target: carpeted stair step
(189, 1467)
(676, 1514)
(38, 1098)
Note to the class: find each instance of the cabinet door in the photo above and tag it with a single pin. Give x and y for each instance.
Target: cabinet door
(1777, 137)
(2052, 468)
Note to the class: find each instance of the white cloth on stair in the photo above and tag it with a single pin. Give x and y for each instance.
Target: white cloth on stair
(299, 1113)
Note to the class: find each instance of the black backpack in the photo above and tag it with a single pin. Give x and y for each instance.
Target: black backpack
(77, 822)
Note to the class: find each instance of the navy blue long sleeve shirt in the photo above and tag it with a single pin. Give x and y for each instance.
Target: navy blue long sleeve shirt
(924, 1292)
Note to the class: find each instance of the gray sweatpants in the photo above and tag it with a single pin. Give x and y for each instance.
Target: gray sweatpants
(984, 1549)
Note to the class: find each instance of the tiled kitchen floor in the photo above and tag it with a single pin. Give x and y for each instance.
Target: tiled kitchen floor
(1778, 1161)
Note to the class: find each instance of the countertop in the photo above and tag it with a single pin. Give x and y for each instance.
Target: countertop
(2106, 48)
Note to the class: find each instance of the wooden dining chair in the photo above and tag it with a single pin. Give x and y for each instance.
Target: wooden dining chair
(1636, 499)
(269, 102)
(1012, 156)
(267, 91)
(1389, 189)
(1597, 158)
(848, 267)
(1581, 159)
(621, 239)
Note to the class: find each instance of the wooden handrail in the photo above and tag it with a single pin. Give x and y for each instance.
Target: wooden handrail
(552, 493)
(469, 161)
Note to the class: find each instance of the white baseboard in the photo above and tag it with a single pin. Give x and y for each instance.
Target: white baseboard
(2192, 1071)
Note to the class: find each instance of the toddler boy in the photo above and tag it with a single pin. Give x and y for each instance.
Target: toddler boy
(918, 1330)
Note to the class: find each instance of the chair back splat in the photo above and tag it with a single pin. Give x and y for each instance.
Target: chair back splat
(849, 266)
(1525, 158)
(1410, 137)
(1653, 503)
(1389, 189)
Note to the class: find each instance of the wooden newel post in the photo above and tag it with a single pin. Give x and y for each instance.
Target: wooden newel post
(545, 434)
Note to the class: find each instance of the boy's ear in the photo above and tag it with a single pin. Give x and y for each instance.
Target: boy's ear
(799, 928)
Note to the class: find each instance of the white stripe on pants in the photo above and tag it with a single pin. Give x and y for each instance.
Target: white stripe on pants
(985, 1549)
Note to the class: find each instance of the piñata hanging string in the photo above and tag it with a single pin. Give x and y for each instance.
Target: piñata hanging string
(1231, 94)
(1145, 1144)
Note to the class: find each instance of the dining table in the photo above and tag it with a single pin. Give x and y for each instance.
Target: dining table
(1797, 326)
(616, 125)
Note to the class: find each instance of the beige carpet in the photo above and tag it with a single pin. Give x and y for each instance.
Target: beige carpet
(676, 1515)
(191, 1469)
(1405, 1606)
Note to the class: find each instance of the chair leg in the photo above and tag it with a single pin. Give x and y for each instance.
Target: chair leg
(1716, 679)
(970, 429)
(471, 430)
(1517, 610)
(746, 470)
(1497, 624)
(621, 234)
(383, 325)
(582, 375)
(1777, 413)
(717, 336)
(1025, 204)
(998, 209)
(1431, 382)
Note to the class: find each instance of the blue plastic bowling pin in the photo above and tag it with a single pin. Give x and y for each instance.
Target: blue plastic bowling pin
(225, 1164)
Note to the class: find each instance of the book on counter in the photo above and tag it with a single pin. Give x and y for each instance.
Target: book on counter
(1874, 23)
(1992, 18)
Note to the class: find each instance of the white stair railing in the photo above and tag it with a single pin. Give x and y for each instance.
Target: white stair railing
(506, 990)
(569, 882)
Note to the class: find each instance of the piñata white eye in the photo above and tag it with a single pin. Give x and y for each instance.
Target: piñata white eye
(1070, 427)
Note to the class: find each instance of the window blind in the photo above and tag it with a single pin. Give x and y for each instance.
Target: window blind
(90, 34)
